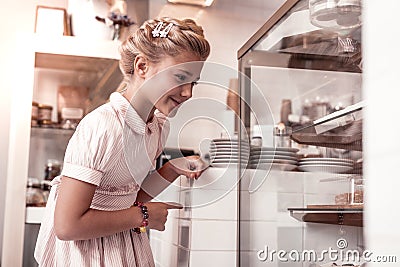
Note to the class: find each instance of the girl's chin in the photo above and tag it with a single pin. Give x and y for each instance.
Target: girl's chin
(172, 113)
(169, 112)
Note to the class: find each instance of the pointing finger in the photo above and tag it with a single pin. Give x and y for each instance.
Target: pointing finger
(173, 205)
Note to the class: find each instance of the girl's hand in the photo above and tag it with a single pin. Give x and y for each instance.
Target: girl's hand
(191, 166)
(158, 212)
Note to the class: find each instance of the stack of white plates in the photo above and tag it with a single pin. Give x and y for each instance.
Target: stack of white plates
(278, 158)
(331, 165)
(225, 152)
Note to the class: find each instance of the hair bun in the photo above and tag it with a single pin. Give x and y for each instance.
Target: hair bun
(185, 36)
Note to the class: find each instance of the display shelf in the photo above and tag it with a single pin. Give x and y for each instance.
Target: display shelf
(350, 215)
(341, 129)
(80, 62)
(36, 131)
(75, 46)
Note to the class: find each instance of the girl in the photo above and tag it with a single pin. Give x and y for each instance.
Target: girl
(98, 207)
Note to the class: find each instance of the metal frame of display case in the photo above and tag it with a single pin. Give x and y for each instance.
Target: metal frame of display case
(247, 58)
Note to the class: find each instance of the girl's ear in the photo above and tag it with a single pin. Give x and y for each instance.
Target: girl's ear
(141, 66)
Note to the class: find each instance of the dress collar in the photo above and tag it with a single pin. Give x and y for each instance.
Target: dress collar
(128, 114)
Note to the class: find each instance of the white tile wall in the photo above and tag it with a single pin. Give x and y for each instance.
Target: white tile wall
(222, 209)
(213, 235)
(217, 179)
(263, 206)
(260, 234)
(290, 182)
(253, 260)
(289, 200)
(212, 258)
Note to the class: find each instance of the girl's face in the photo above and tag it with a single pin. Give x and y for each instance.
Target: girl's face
(173, 79)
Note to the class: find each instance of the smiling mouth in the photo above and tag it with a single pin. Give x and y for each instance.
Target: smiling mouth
(177, 103)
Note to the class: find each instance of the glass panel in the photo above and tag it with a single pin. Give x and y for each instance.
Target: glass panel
(298, 97)
(299, 74)
(302, 34)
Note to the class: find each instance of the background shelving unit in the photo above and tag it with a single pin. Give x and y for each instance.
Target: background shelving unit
(67, 61)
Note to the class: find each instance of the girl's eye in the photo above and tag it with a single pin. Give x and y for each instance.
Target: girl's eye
(180, 77)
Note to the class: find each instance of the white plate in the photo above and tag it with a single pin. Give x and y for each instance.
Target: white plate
(213, 155)
(280, 161)
(224, 165)
(325, 168)
(236, 150)
(224, 140)
(229, 143)
(327, 159)
(227, 155)
(218, 140)
(281, 153)
(227, 150)
(306, 163)
(273, 157)
(224, 156)
(229, 158)
(286, 149)
(274, 166)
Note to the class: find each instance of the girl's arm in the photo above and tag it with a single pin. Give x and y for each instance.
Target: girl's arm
(155, 183)
(75, 220)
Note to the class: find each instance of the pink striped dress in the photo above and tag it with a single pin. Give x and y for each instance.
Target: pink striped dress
(114, 149)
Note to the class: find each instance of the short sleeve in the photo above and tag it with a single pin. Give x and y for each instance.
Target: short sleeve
(90, 149)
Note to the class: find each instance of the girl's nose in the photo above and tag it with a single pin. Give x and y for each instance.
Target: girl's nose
(186, 90)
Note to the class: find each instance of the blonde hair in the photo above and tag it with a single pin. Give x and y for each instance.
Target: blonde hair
(184, 36)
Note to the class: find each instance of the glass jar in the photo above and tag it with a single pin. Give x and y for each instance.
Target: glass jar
(44, 114)
(34, 196)
(356, 191)
(52, 170)
(282, 136)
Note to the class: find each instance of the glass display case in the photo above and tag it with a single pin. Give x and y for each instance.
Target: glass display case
(301, 190)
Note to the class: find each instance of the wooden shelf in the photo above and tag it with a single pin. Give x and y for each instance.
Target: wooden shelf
(350, 215)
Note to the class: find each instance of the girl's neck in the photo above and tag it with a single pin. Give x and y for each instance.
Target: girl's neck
(144, 108)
